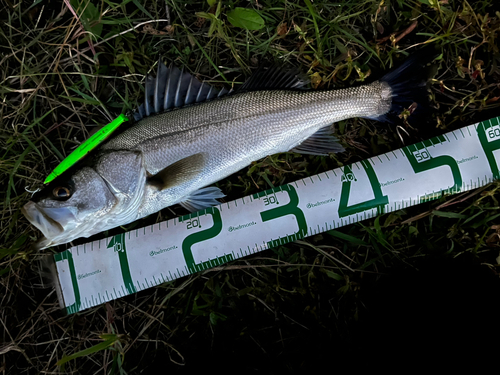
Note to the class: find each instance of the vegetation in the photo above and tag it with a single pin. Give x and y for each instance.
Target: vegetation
(69, 67)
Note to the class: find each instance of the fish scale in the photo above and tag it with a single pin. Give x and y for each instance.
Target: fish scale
(247, 119)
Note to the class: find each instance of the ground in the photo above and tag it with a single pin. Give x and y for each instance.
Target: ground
(416, 282)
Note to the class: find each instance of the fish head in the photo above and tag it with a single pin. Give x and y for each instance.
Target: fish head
(89, 199)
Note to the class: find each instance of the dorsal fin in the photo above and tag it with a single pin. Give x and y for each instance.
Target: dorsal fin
(275, 78)
(173, 88)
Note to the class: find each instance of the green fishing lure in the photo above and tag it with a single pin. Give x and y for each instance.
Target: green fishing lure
(86, 147)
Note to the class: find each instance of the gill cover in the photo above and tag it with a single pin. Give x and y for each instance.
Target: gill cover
(101, 197)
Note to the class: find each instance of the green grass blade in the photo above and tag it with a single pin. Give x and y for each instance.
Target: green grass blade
(346, 237)
(93, 349)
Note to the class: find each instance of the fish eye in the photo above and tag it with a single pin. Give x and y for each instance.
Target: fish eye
(61, 192)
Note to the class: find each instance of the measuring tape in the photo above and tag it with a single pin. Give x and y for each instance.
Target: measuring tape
(100, 271)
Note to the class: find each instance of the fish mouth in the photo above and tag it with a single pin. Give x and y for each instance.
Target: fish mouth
(52, 222)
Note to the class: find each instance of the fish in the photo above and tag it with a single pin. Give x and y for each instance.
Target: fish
(187, 135)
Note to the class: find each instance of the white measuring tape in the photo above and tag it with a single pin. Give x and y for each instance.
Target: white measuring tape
(100, 271)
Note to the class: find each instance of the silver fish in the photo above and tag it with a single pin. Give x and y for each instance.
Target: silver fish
(188, 135)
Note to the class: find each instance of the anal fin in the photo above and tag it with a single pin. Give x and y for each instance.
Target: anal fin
(320, 143)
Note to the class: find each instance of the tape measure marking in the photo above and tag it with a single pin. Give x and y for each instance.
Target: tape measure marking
(103, 270)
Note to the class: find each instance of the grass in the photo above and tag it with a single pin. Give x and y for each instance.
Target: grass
(288, 308)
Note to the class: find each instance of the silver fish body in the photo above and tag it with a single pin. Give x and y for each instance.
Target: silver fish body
(233, 131)
(170, 156)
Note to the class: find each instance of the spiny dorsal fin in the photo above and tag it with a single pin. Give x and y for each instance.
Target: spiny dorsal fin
(179, 172)
(320, 143)
(173, 88)
(275, 78)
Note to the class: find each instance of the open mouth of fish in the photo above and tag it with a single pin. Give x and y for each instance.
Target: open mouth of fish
(50, 221)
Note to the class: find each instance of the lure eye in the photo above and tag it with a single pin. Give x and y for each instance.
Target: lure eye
(61, 192)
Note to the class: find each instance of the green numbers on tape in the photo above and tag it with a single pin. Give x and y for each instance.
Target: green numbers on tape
(270, 200)
(117, 243)
(66, 255)
(378, 202)
(193, 222)
(487, 133)
(494, 133)
(421, 161)
(283, 210)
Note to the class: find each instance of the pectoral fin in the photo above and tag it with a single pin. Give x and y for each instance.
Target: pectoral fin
(178, 173)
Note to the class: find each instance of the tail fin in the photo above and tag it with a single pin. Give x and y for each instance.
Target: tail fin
(408, 83)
